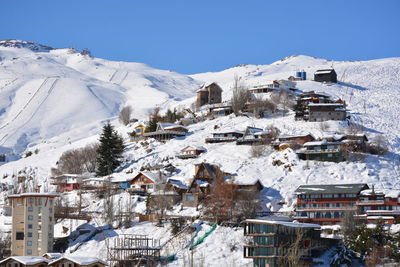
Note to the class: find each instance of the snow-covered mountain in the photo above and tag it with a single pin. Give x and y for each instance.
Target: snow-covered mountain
(53, 100)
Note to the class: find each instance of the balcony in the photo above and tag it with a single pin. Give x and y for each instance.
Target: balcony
(370, 202)
(326, 208)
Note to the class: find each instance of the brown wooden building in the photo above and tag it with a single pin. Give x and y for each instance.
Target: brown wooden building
(24, 261)
(325, 75)
(209, 94)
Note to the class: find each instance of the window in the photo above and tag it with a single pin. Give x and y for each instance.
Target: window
(29, 243)
(29, 252)
(30, 217)
(189, 197)
(30, 209)
(51, 202)
(330, 155)
(29, 234)
(30, 226)
(20, 236)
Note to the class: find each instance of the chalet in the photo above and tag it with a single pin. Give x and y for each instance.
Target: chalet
(163, 198)
(313, 97)
(326, 111)
(325, 75)
(68, 182)
(355, 141)
(326, 204)
(190, 152)
(166, 131)
(269, 241)
(225, 136)
(204, 176)
(285, 141)
(145, 182)
(74, 261)
(209, 94)
(176, 185)
(24, 261)
(373, 205)
(322, 151)
(253, 135)
(221, 111)
(273, 86)
(94, 183)
(255, 186)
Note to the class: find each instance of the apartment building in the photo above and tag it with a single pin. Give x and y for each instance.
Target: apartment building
(32, 223)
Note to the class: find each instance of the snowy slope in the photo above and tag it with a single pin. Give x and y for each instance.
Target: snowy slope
(51, 92)
(57, 99)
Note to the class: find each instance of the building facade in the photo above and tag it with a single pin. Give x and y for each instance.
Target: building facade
(326, 204)
(326, 112)
(322, 151)
(269, 242)
(209, 94)
(326, 75)
(32, 223)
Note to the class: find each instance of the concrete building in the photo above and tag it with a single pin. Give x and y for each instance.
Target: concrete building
(209, 94)
(32, 223)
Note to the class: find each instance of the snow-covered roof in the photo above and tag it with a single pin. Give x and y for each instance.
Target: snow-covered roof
(53, 255)
(27, 260)
(288, 224)
(393, 194)
(369, 192)
(288, 136)
(226, 131)
(80, 260)
(200, 148)
(154, 176)
(167, 125)
(202, 183)
(164, 193)
(331, 189)
(325, 71)
(325, 104)
(177, 183)
(320, 143)
(33, 194)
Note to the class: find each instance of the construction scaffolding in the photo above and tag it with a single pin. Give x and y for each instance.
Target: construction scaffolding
(133, 250)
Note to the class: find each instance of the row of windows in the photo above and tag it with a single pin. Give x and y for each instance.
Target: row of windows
(327, 205)
(314, 196)
(39, 201)
(321, 214)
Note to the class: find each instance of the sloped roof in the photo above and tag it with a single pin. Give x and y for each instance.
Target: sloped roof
(200, 148)
(154, 176)
(324, 71)
(53, 255)
(283, 223)
(320, 143)
(331, 189)
(177, 183)
(80, 260)
(27, 260)
(34, 194)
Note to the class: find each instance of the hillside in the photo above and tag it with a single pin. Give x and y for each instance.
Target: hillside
(54, 100)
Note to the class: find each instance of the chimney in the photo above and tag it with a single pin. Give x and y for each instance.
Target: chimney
(373, 190)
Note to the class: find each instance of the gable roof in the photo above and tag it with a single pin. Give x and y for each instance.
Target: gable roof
(154, 176)
(80, 260)
(331, 189)
(53, 255)
(199, 148)
(27, 260)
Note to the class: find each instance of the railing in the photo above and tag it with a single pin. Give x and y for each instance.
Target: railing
(306, 151)
(220, 139)
(370, 202)
(186, 156)
(326, 208)
(164, 132)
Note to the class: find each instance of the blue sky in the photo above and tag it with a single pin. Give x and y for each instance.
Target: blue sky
(199, 36)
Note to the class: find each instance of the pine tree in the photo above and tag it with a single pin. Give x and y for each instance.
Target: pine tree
(110, 151)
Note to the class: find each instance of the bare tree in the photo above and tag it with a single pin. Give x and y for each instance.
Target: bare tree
(295, 250)
(256, 151)
(5, 246)
(260, 106)
(240, 95)
(378, 145)
(125, 115)
(77, 161)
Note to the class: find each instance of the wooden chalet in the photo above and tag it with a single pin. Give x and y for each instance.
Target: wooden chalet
(75, 261)
(252, 136)
(322, 151)
(191, 152)
(356, 142)
(176, 185)
(326, 203)
(285, 141)
(166, 131)
(325, 75)
(204, 176)
(224, 136)
(221, 111)
(145, 182)
(24, 261)
(326, 111)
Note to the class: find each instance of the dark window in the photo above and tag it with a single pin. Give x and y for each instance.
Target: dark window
(20, 236)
